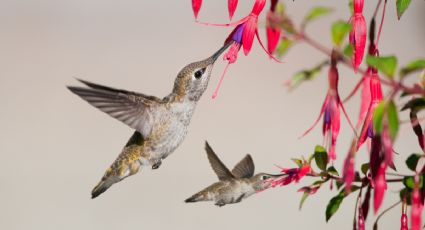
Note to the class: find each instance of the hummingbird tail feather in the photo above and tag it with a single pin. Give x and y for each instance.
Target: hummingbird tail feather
(195, 198)
(101, 187)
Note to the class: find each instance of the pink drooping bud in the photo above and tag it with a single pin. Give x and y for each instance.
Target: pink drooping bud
(417, 207)
(232, 4)
(272, 31)
(360, 220)
(348, 173)
(357, 35)
(196, 6)
(403, 219)
(380, 185)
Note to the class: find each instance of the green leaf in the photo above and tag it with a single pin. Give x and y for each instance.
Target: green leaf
(340, 29)
(298, 162)
(283, 46)
(333, 205)
(331, 170)
(386, 65)
(409, 182)
(315, 13)
(412, 161)
(339, 184)
(416, 65)
(393, 121)
(321, 157)
(401, 7)
(348, 50)
(365, 168)
(377, 117)
(303, 198)
(416, 104)
(305, 75)
(406, 195)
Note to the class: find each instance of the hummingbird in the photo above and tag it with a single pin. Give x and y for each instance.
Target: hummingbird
(160, 124)
(235, 185)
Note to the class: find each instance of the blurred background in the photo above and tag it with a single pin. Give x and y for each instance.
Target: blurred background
(54, 147)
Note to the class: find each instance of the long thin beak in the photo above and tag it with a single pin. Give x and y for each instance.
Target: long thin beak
(220, 51)
(278, 175)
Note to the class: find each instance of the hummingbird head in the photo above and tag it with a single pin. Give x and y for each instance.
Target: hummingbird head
(192, 80)
(262, 181)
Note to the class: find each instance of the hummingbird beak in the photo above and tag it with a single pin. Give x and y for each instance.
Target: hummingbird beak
(220, 51)
(277, 175)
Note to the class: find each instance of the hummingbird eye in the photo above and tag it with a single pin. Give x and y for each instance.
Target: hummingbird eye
(265, 177)
(198, 74)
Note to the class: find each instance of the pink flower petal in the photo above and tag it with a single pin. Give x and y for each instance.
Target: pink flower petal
(335, 126)
(380, 187)
(358, 6)
(249, 33)
(348, 173)
(258, 7)
(417, 207)
(232, 4)
(358, 39)
(322, 110)
(403, 222)
(273, 37)
(196, 6)
(365, 98)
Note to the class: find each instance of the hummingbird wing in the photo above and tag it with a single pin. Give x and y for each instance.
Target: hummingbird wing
(219, 168)
(129, 107)
(245, 168)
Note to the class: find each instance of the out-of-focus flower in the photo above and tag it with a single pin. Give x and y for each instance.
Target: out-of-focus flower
(291, 175)
(348, 171)
(330, 112)
(358, 34)
(196, 6)
(231, 5)
(417, 206)
(403, 219)
(378, 167)
(273, 31)
(376, 98)
(360, 219)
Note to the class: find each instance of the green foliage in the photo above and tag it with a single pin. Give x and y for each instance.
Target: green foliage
(402, 6)
(416, 65)
(393, 122)
(365, 167)
(298, 162)
(284, 46)
(315, 13)
(333, 205)
(412, 161)
(348, 50)
(305, 75)
(332, 170)
(378, 114)
(321, 157)
(340, 29)
(336, 201)
(409, 182)
(386, 65)
(389, 110)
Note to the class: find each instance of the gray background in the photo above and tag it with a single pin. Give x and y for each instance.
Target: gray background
(54, 147)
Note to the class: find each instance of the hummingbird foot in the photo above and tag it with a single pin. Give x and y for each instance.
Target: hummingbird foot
(220, 203)
(157, 164)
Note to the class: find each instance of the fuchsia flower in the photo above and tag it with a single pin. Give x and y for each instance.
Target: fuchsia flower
(196, 6)
(291, 175)
(330, 112)
(417, 206)
(360, 220)
(358, 34)
(242, 36)
(272, 31)
(403, 219)
(232, 4)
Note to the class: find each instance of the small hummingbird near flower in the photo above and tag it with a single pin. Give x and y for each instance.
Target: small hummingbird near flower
(160, 124)
(235, 185)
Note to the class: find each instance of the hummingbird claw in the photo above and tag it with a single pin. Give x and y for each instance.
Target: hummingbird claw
(220, 203)
(157, 164)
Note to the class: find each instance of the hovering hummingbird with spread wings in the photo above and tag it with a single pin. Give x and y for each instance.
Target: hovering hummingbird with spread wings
(234, 185)
(160, 124)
